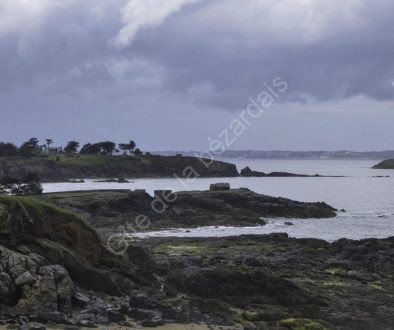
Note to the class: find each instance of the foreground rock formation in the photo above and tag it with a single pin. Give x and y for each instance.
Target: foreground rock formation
(91, 166)
(275, 282)
(106, 210)
(54, 269)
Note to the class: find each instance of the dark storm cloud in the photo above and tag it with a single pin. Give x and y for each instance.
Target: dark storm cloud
(343, 58)
(79, 62)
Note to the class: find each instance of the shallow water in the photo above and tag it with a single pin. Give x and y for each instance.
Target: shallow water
(368, 200)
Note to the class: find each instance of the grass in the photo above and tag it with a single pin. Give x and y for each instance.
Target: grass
(301, 324)
(377, 285)
(83, 160)
(35, 208)
(176, 250)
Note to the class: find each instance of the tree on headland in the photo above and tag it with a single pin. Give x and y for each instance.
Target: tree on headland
(100, 148)
(8, 149)
(71, 147)
(108, 147)
(49, 142)
(132, 146)
(138, 152)
(123, 147)
(29, 148)
(90, 149)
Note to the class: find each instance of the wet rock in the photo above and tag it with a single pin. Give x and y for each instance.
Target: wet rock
(87, 323)
(115, 315)
(141, 300)
(80, 299)
(152, 322)
(32, 326)
(52, 316)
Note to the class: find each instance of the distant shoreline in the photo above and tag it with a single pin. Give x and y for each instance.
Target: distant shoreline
(291, 155)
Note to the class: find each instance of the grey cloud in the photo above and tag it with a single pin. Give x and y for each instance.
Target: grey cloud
(65, 62)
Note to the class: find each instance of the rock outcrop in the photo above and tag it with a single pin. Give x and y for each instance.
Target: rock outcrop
(247, 172)
(276, 282)
(107, 210)
(49, 257)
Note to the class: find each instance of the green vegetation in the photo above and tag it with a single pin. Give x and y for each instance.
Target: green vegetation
(385, 165)
(34, 207)
(377, 285)
(301, 324)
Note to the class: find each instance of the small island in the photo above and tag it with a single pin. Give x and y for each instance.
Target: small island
(385, 165)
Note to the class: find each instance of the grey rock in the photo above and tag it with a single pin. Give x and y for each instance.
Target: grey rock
(25, 278)
(144, 314)
(55, 317)
(153, 322)
(32, 326)
(115, 315)
(80, 299)
(219, 186)
(141, 300)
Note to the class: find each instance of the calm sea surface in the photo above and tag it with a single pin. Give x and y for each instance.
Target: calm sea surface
(368, 200)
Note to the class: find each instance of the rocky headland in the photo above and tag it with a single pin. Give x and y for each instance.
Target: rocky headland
(106, 168)
(95, 167)
(109, 210)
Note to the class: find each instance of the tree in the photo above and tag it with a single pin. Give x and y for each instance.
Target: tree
(71, 147)
(131, 146)
(123, 147)
(138, 152)
(29, 148)
(8, 149)
(108, 147)
(49, 142)
(89, 148)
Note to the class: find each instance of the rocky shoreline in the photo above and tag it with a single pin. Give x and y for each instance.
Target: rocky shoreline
(109, 210)
(57, 271)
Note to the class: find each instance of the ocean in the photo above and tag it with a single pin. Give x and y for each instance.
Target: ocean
(367, 198)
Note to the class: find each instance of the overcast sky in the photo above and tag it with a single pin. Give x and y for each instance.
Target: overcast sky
(173, 73)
